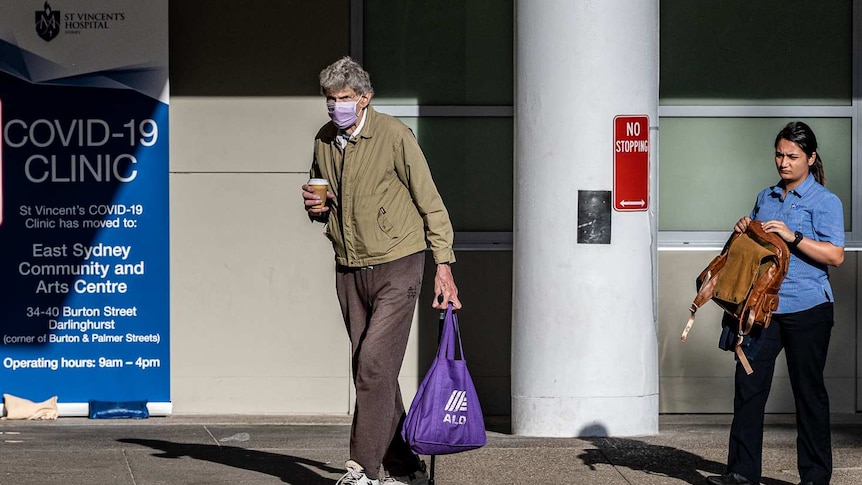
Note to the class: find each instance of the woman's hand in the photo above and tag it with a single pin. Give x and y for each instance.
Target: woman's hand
(742, 224)
(779, 228)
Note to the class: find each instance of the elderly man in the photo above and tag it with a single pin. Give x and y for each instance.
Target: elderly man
(382, 211)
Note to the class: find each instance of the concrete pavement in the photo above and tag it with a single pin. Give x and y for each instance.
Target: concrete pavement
(311, 450)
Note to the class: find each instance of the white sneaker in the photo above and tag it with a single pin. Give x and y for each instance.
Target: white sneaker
(355, 475)
(419, 477)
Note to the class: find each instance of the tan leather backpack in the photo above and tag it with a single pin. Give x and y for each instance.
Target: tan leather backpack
(744, 281)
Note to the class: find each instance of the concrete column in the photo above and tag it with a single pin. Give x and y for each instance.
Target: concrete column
(584, 343)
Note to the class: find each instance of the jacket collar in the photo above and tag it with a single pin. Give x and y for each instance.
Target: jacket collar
(369, 124)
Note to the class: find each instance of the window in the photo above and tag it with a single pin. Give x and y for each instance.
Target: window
(733, 73)
(714, 167)
(446, 69)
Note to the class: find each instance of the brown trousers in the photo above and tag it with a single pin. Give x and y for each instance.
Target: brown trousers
(377, 303)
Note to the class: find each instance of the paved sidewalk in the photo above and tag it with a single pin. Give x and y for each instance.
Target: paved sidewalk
(211, 450)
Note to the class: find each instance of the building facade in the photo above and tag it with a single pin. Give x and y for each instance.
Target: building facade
(255, 323)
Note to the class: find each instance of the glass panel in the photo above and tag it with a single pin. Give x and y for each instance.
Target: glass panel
(472, 163)
(440, 52)
(768, 52)
(259, 48)
(711, 169)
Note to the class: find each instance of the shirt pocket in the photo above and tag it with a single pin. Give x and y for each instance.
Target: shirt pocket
(798, 218)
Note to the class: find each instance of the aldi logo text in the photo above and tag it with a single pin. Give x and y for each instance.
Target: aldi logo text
(457, 404)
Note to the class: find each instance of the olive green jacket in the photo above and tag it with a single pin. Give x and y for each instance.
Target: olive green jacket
(386, 204)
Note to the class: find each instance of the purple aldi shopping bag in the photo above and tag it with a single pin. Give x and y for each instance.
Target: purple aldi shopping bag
(445, 416)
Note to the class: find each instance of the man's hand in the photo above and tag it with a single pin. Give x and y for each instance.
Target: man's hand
(312, 200)
(445, 290)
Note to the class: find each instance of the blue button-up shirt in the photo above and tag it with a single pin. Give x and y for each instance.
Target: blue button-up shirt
(817, 213)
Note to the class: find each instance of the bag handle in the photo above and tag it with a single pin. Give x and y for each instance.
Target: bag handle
(451, 333)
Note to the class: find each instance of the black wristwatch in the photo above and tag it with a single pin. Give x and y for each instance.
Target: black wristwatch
(796, 240)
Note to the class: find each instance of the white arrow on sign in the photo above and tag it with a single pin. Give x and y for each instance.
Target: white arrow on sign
(626, 203)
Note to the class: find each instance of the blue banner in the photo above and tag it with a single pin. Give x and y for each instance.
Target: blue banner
(84, 214)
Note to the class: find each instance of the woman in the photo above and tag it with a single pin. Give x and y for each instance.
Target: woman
(804, 213)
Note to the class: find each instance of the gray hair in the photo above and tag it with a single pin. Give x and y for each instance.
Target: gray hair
(345, 73)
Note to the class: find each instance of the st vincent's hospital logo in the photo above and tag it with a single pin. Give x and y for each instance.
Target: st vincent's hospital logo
(47, 23)
(50, 21)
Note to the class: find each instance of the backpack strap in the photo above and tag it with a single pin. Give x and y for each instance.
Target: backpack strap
(706, 285)
(741, 356)
(762, 301)
(703, 296)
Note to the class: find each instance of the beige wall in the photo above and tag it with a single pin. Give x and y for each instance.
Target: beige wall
(255, 327)
(696, 376)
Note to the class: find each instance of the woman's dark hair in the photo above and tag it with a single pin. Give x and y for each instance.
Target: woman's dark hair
(801, 134)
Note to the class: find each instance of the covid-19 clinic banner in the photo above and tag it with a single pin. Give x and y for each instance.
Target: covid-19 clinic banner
(84, 304)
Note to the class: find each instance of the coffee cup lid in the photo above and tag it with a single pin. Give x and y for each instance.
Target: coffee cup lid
(318, 182)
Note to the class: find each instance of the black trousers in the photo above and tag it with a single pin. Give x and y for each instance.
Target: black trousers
(805, 338)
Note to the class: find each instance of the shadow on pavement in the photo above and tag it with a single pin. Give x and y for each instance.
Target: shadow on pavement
(656, 460)
(290, 469)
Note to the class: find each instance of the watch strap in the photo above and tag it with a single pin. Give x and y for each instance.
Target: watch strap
(797, 239)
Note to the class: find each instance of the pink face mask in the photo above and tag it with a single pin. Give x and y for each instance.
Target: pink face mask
(343, 113)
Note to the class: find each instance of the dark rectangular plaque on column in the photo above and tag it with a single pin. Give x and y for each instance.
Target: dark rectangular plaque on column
(594, 217)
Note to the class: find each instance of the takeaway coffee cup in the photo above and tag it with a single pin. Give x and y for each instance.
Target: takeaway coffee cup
(319, 186)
